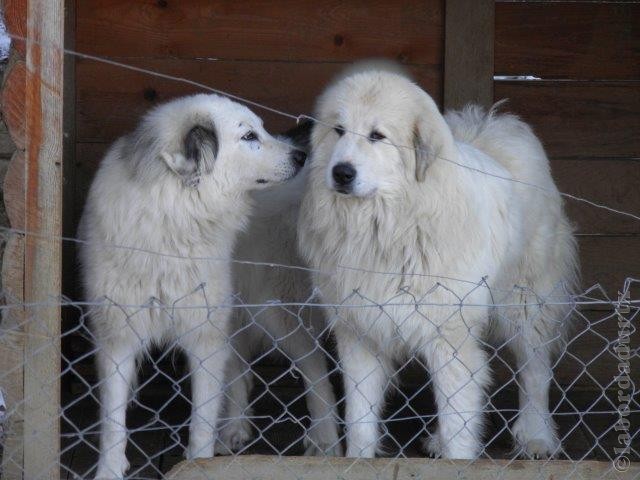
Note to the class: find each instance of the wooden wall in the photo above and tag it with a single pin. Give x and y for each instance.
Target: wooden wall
(586, 109)
(283, 53)
(278, 53)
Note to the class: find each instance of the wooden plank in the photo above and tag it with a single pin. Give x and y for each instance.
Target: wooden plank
(259, 467)
(12, 357)
(13, 190)
(44, 113)
(306, 30)
(585, 119)
(13, 423)
(468, 55)
(15, 18)
(110, 100)
(12, 102)
(609, 261)
(582, 40)
(7, 147)
(612, 182)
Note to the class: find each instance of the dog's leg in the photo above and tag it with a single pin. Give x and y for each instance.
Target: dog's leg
(365, 379)
(116, 369)
(307, 355)
(235, 430)
(207, 361)
(534, 430)
(460, 375)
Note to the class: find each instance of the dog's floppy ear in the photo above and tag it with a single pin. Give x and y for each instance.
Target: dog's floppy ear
(201, 145)
(300, 135)
(199, 150)
(432, 138)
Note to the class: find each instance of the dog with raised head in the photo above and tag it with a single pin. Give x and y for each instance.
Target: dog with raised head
(158, 232)
(425, 226)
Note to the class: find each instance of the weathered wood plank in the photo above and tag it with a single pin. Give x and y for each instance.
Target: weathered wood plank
(110, 100)
(44, 113)
(468, 54)
(609, 261)
(611, 182)
(15, 18)
(597, 119)
(334, 31)
(258, 467)
(12, 100)
(12, 323)
(581, 40)
(13, 190)
(12, 356)
(13, 425)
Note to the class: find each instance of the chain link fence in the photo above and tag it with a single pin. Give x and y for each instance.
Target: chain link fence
(282, 387)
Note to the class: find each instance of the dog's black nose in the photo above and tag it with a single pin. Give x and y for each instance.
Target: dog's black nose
(343, 174)
(298, 156)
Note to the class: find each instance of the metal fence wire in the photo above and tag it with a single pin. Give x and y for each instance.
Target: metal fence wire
(282, 383)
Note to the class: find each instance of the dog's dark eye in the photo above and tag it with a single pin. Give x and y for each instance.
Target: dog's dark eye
(339, 129)
(375, 135)
(250, 137)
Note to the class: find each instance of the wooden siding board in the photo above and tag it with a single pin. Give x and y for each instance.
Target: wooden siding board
(579, 119)
(110, 100)
(328, 31)
(579, 40)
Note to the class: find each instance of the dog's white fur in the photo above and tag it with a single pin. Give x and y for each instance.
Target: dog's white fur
(415, 213)
(172, 193)
(267, 328)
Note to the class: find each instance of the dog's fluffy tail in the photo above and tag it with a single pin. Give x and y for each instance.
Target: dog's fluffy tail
(502, 136)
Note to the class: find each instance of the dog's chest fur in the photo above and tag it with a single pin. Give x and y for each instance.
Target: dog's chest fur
(397, 261)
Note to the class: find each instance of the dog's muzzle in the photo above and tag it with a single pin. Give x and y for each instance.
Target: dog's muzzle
(343, 177)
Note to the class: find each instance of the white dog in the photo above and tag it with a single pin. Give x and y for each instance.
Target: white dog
(392, 197)
(265, 328)
(173, 194)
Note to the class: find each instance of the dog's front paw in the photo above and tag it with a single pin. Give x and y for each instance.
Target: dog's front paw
(431, 445)
(535, 438)
(112, 469)
(233, 437)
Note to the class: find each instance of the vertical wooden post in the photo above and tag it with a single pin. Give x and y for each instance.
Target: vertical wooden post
(43, 222)
(468, 52)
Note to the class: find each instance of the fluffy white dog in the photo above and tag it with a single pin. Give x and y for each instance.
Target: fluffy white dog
(392, 197)
(172, 194)
(275, 285)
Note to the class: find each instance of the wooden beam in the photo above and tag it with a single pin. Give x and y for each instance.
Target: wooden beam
(468, 52)
(43, 206)
(259, 467)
